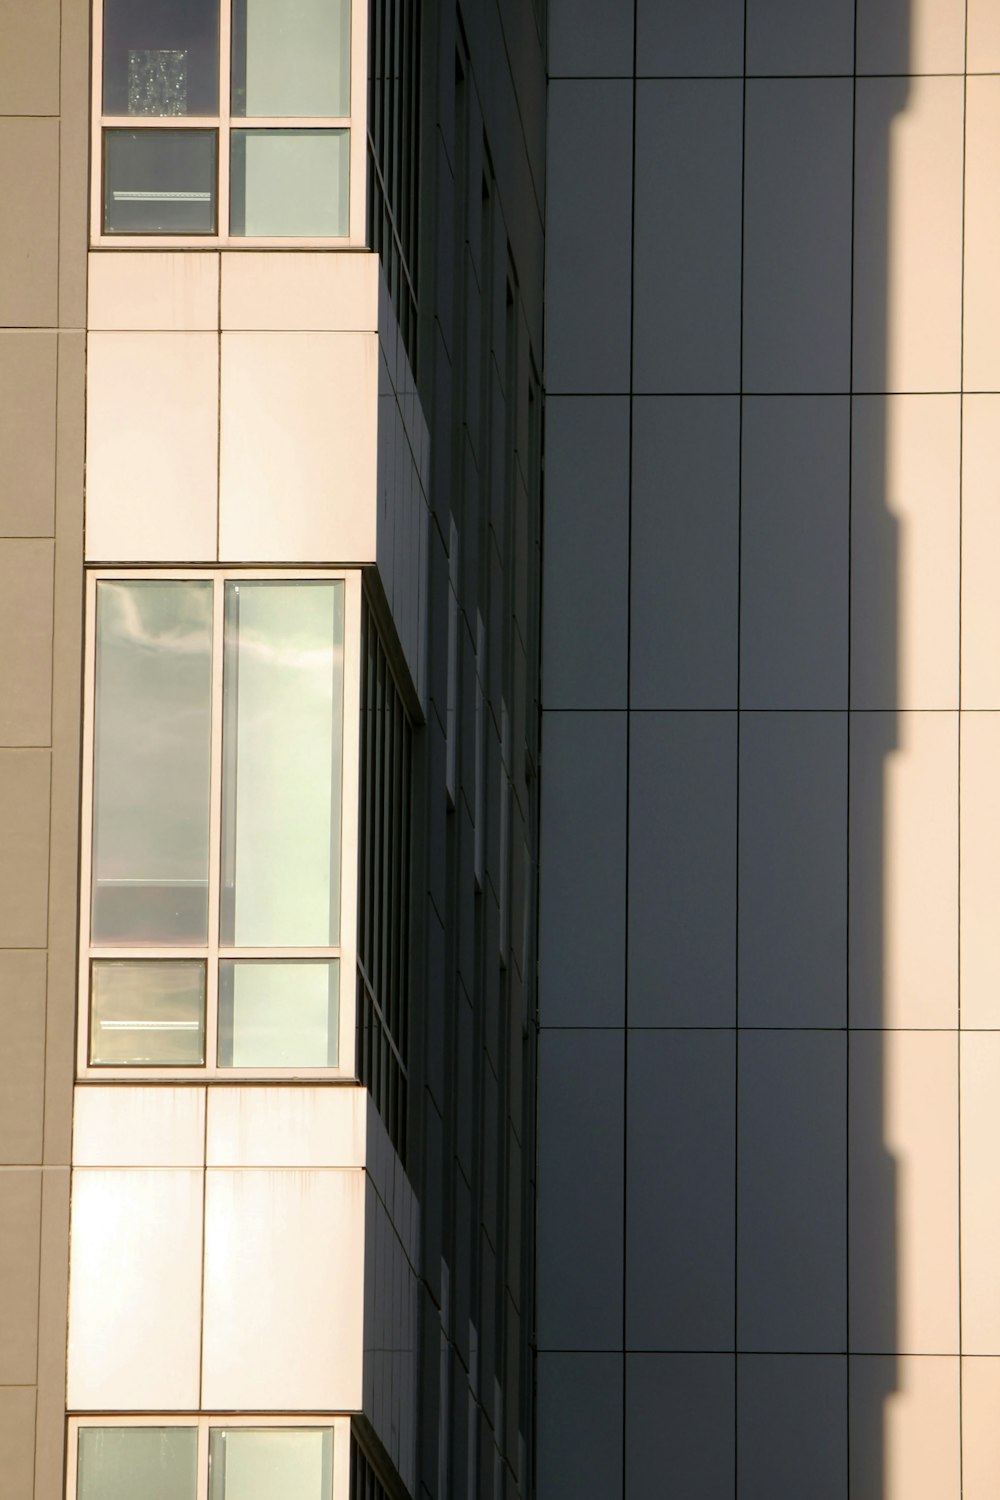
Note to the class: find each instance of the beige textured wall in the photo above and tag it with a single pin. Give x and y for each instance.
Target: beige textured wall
(43, 168)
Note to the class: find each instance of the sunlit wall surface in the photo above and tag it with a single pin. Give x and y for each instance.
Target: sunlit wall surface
(769, 938)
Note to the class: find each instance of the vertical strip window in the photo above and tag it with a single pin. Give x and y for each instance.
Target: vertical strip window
(394, 29)
(228, 119)
(214, 924)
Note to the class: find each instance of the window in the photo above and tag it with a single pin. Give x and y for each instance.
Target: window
(227, 119)
(214, 929)
(208, 1458)
(394, 152)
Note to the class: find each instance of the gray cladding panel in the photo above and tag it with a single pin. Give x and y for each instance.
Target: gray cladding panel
(585, 555)
(689, 39)
(685, 551)
(792, 1426)
(787, 36)
(687, 235)
(792, 1198)
(589, 207)
(682, 869)
(793, 869)
(679, 1426)
(582, 869)
(590, 39)
(681, 1189)
(794, 552)
(797, 235)
(579, 1426)
(581, 1135)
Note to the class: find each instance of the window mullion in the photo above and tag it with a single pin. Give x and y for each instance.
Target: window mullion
(215, 822)
(225, 113)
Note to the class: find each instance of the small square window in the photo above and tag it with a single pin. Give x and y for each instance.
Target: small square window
(121, 1463)
(260, 1463)
(147, 1013)
(160, 181)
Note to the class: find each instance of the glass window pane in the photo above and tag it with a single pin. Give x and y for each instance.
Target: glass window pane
(292, 57)
(161, 57)
(120, 1463)
(290, 182)
(282, 752)
(159, 181)
(279, 1015)
(152, 762)
(261, 1463)
(147, 1013)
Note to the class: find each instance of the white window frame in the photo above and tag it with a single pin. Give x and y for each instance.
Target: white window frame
(223, 123)
(346, 952)
(341, 1439)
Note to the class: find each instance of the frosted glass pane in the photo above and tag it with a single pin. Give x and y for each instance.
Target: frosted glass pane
(282, 753)
(147, 1013)
(279, 1015)
(253, 1463)
(292, 57)
(121, 1463)
(161, 59)
(290, 182)
(152, 762)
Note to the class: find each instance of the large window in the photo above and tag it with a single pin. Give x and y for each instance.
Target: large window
(216, 913)
(208, 1458)
(228, 119)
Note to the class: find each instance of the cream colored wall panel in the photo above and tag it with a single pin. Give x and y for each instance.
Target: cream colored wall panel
(908, 234)
(904, 1424)
(152, 290)
(152, 447)
(298, 447)
(323, 292)
(903, 880)
(980, 1192)
(981, 329)
(981, 552)
(980, 1429)
(146, 1126)
(979, 910)
(922, 36)
(903, 1192)
(905, 552)
(287, 1127)
(984, 36)
(135, 1290)
(284, 1288)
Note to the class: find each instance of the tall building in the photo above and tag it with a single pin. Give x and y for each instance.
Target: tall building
(294, 869)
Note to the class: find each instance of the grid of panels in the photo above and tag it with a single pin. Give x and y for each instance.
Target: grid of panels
(383, 886)
(393, 152)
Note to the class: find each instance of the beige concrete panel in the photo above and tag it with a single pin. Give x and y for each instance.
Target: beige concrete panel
(26, 631)
(24, 848)
(904, 1429)
(298, 445)
(27, 431)
(980, 1429)
(922, 36)
(53, 1295)
(983, 37)
(29, 57)
(151, 1126)
(29, 224)
(22, 987)
(168, 291)
(284, 1289)
(903, 879)
(152, 446)
(74, 176)
(981, 329)
(979, 910)
(905, 552)
(903, 1192)
(318, 292)
(135, 1290)
(908, 234)
(17, 1442)
(20, 1233)
(287, 1127)
(67, 666)
(980, 1106)
(980, 551)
